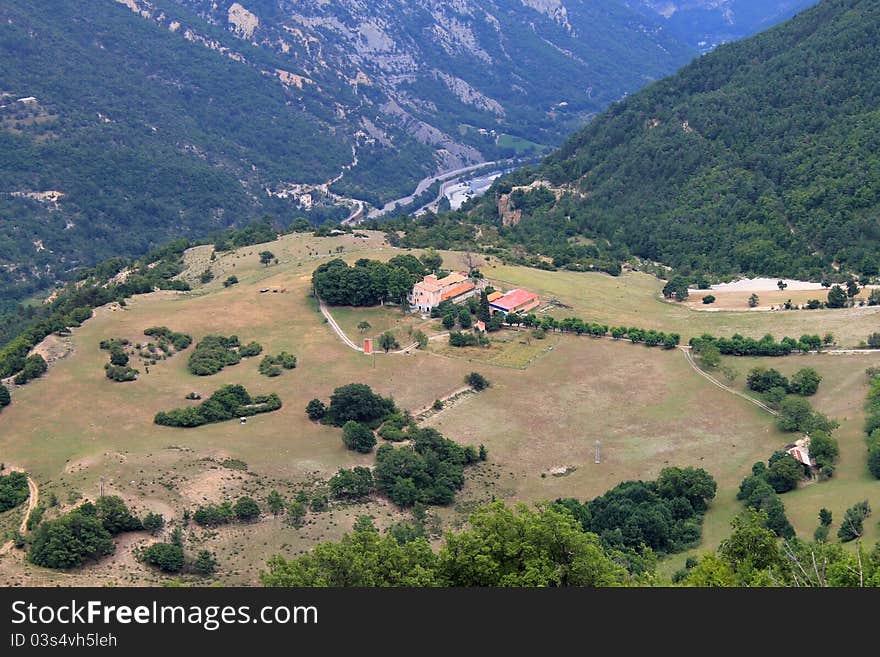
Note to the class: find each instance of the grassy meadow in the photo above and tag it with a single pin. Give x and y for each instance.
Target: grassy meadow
(550, 400)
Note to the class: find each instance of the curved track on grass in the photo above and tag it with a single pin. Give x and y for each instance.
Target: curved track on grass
(757, 402)
(348, 341)
(33, 500)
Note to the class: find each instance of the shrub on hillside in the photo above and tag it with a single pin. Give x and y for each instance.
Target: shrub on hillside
(13, 490)
(228, 402)
(477, 381)
(70, 540)
(358, 402)
(214, 352)
(274, 365)
(167, 557)
(358, 437)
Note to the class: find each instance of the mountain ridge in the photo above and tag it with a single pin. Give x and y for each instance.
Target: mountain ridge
(760, 157)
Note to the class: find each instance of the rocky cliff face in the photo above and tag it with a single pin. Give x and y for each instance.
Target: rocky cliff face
(457, 76)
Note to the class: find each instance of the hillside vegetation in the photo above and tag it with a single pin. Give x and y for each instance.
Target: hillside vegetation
(760, 157)
(145, 135)
(120, 130)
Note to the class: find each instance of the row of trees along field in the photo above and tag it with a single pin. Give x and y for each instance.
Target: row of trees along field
(228, 402)
(872, 423)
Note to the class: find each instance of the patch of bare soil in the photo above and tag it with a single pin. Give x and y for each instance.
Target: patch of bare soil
(54, 348)
(210, 485)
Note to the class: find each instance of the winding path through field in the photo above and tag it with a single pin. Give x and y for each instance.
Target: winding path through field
(690, 359)
(348, 341)
(686, 350)
(33, 500)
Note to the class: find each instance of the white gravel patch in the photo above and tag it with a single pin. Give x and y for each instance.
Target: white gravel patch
(764, 285)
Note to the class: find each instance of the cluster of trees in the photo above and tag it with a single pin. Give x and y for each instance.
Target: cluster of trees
(397, 427)
(752, 556)
(352, 402)
(429, 473)
(244, 509)
(804, 382)
(228, 402)
(797, 414)
(274, 365)
(84, 533)
(460, 339)
(500, 547)
(850, 529)
(13, 490)
(368, 282)
(354, 484)
(165, 335)
(872, 423)
(738, 345)
(663, 516)
(34, 367)
(5, 396)
(760, 490)
(214, 352)
(170, 557)
(548, 546)
(25, 327)
(118, 368)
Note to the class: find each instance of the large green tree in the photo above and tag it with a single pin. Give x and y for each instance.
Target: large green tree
(358, 437)
(358, 402)
(69, 540)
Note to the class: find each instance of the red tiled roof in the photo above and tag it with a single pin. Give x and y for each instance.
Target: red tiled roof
(495, 295)
(459, 289)
(514, 299)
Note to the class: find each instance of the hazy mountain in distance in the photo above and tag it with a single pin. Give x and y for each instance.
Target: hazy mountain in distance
(704, 24)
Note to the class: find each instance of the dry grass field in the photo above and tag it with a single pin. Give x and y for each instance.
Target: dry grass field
(550, 400)
(739, 299)
(634, 299)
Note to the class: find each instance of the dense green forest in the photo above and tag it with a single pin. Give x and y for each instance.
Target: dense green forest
(761, 157)
(556, 545)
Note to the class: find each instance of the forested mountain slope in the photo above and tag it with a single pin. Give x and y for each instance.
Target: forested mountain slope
(761, 157)
(125, 123)
(116, 135)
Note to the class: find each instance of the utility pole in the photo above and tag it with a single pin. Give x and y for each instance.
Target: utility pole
(102, 485)
(598, 457)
